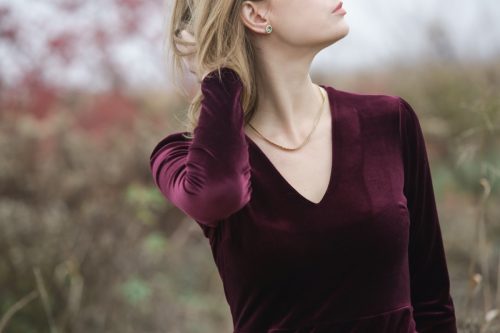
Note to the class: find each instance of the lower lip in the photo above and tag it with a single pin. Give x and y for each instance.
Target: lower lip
(340, 11)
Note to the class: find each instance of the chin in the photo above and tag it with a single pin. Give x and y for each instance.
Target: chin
(343, 28)
(340, 32)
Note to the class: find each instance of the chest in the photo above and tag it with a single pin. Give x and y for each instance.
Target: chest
(306, 171)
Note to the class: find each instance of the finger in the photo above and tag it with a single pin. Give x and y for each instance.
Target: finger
(186, 35)
(187, 49)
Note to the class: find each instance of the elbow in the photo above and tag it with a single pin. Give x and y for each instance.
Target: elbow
(207, 197)
(213, 201)
(214, 208)
(217, 202)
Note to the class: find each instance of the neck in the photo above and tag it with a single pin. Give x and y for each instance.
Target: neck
(288, 101)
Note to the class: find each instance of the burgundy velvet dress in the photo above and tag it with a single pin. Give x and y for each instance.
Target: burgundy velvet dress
(368, 257)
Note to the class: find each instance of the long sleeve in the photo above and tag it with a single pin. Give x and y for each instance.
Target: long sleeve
(208, 177)
(430, 286)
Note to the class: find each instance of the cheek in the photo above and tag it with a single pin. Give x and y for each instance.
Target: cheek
(333, 26)
(313, 28)
(302, 25)
(299, 24)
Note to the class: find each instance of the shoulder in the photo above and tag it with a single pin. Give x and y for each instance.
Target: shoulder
(173, 140)
(374, 110)
(380, 113)
(371, 103)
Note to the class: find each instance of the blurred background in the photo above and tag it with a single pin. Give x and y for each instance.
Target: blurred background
(88, 243)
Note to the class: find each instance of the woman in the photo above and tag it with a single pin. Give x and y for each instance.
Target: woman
(317, 202)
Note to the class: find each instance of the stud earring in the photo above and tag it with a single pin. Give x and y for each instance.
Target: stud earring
(269, 28)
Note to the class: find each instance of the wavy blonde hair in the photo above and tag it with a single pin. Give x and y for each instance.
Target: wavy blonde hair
(222, 41)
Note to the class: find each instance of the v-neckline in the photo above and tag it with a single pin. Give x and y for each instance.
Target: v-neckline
(334, 173)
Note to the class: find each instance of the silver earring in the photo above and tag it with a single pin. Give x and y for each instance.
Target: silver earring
(269, 28)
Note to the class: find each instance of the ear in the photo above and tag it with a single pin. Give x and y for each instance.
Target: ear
(254, 15)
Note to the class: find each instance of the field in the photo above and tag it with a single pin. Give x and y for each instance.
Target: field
(90, 245)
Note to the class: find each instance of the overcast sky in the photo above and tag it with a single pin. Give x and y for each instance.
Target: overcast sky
(379, 31)
(397, 28)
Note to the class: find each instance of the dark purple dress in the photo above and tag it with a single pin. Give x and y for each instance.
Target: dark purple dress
(368, 257)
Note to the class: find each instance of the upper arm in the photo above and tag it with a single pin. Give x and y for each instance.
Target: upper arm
(208, 177)
(429, 279)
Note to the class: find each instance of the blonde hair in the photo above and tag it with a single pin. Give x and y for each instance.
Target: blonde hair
(222, 41)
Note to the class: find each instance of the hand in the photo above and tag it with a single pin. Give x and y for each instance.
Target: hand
(190, 50)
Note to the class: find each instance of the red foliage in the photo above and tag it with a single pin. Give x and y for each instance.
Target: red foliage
(33, 54)
(70, 5)
(4, 11)
(8, 30)
(9, 33)
(109, 110)
(39, 98)
(62, 45)
(131, 4)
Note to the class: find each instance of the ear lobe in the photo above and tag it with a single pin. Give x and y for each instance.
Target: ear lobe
(253, 16)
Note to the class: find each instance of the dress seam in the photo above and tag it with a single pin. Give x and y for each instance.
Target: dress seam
(277, 329)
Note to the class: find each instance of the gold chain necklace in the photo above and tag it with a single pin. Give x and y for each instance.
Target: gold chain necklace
(307, 138)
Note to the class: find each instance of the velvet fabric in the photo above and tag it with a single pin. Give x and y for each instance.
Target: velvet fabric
(368, 257)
